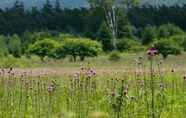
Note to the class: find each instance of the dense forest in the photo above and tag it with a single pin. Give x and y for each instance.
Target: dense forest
(82, 21)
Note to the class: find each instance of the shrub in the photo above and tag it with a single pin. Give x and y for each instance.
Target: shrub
(167, 30)
(180, 40)
(3, 46)
(105, 37)
(148, 35)
(58, 52)
(126, 44)
(14, 46)
(42, 48)
(81, 47)
(63, 36)
(114, 56)
(126, 30)
(184, 45)
(167, 47)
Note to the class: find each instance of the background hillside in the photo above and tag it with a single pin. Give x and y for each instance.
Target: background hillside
(82, 3)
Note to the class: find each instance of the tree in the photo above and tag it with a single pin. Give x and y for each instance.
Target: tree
(104, 36)
(110, 8)
(57, 6)
(167, 30)
(81, 47)
(167, 47)
(14, 45)
(149, 34)
(43, 48)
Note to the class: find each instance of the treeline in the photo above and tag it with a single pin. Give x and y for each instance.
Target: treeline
(156, 16)
(82, 21)
(17, 19)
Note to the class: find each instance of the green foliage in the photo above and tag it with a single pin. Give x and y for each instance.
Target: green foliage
(3, 46)
(104, 36)
(43, 48)
(114, 56)
(148, 35)
(180, 40)
(58, 52)
(167, 47)
(63, 36)
(184, 45)
(81, 47)
(126, 30)
(14, 46)
(167, 30)
(126, 44)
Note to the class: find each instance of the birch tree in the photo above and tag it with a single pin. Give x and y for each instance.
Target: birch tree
(110, 8)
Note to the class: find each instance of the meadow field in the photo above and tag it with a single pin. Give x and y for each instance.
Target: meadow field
(132, 87)
(104, 59)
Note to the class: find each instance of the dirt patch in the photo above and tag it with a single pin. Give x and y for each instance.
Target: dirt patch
(67, 71)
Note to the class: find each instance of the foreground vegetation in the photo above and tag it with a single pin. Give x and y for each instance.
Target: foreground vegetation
(146, 91)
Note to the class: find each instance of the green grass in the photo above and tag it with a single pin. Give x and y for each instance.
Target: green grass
(127, 60)
(111, 94)
(120, 95)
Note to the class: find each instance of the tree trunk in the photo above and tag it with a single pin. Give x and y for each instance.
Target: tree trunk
(74, 58)
(82, 58)
(110, 14)
(42, 59)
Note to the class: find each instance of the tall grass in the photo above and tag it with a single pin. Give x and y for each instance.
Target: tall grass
(145, 93)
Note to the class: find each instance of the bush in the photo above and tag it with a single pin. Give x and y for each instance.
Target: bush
(126, 44)
(105, 37)
(180, 40)
(184, 45)
(81, 47)
(3, 46)
(42, 48)
(167, 47)
(167, 30)
(148, 35)
(114, 56)
(14, 46)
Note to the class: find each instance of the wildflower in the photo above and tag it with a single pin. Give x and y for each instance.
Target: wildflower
(51, 88)
(161, 62)
(76, 75)
(184, 77)
(113, 94)
(82, 68)
(125, 92)
(152, 52)
(93, 72)
(140, 58)
(162, 86)
(173, 70)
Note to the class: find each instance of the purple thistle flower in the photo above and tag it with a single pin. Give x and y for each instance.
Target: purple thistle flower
(152, 52)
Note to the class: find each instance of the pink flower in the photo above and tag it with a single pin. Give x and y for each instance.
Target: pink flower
(152, 52)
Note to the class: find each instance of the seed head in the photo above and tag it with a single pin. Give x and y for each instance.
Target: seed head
(184, 77)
